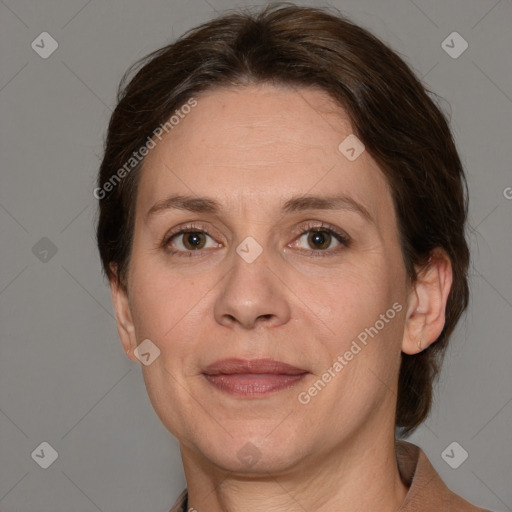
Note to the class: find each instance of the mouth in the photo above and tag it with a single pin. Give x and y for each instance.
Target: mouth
(254, 377)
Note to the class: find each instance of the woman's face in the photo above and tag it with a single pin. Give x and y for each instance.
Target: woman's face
(292, 255)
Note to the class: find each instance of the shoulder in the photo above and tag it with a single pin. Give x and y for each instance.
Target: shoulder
(427, 492)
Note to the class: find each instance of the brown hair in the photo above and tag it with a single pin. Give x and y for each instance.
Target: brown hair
(391, 112)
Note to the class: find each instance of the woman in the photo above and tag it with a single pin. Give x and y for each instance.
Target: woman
(282, 214)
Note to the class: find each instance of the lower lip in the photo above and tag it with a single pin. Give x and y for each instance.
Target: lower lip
(253, 384)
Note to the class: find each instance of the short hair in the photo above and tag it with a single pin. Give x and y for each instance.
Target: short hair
(392, 113)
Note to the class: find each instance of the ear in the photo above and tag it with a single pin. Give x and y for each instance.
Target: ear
(124, 320)
(427, 303)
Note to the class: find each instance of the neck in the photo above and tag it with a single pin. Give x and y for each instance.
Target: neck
(359, 475)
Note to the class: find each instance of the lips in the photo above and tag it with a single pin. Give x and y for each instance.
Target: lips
(252, 377)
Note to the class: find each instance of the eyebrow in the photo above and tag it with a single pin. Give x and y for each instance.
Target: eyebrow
(295, 204)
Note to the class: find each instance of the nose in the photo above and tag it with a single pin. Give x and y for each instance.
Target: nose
(252, 294)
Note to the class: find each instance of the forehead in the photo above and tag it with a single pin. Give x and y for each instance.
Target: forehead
(263, 143)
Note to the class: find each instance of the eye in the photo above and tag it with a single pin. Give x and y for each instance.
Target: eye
(318, 240)
(188, 240)
(321, 239)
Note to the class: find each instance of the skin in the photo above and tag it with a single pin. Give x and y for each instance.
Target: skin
(251, 149)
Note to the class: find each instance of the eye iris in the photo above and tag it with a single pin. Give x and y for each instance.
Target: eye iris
(193, 240)
(320, 239)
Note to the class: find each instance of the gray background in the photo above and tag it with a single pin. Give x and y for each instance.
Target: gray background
(64, 378)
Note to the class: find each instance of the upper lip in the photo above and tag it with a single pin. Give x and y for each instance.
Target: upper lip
(251, 366)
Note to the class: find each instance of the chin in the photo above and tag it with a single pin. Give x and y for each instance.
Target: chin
(250, 453)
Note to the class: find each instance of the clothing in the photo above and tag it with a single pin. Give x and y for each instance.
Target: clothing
(427, 492)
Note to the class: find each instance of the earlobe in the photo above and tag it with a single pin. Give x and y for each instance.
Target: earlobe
(427, 304)
(124, 320)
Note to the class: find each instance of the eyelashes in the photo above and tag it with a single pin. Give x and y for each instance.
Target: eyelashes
(195, 229)
(194, 240)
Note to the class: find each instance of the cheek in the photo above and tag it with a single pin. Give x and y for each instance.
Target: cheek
(176, 314)
(359, 314)
(161, 298)
(349, 298)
